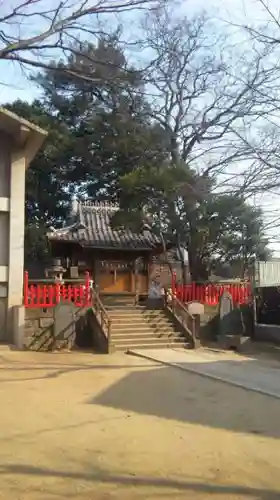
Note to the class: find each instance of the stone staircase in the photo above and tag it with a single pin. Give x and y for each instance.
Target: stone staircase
(139, 327)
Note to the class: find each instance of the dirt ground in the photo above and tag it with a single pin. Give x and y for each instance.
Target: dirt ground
(117, 427)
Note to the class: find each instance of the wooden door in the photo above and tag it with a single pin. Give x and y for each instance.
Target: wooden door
(115, 281)
(142, 283)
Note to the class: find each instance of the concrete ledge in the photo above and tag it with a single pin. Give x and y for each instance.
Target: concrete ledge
(267, 333)
(201, 373)
(4, 204)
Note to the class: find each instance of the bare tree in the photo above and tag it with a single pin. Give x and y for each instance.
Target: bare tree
(203, 98)
(268, 30)
(30, 30)
(261, 139)
(207, 102)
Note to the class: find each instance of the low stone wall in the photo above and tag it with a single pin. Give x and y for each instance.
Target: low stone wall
(60, 327)
(39, 329)
(209, 324)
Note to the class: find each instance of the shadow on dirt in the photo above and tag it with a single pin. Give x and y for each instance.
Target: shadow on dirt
(189, 397)
(104, 477)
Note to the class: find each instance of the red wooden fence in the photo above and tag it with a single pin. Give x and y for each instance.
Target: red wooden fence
(45, 294)
(210, 293)
(48, 294)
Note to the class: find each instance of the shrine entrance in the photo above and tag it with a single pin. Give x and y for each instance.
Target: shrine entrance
(116, 277)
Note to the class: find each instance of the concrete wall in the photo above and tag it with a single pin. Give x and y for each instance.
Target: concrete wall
(4, 238)
(3, 317)
(5, 164)
(12, 199)
(5, 176)
(16, 235)
(19, 142)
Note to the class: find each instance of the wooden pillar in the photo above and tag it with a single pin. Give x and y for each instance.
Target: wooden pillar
(133, 277)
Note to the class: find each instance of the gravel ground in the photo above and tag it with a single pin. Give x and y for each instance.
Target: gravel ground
(118, 427)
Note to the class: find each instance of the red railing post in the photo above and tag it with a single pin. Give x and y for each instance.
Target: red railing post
(47, 295)
(78, 295)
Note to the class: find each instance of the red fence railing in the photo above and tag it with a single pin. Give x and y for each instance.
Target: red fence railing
(45, 294)
(210, 293)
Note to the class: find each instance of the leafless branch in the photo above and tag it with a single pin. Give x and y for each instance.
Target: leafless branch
(30, 27)
(205, 101)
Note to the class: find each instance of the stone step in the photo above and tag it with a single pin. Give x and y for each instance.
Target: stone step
(140, 319)
(143, 329)
(125, 310)
(155, 345)
(146, 340)
(119, 305)
(139, 327)
(124, 306)
(122, 301)
(146, 337)
(135, 312)
(153, 323)
(136, 317)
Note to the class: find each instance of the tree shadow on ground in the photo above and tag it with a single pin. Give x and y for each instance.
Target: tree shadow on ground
(175, 394)
(129, 480)
(55, 370)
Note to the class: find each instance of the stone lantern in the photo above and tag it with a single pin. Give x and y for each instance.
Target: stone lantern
(56, 270)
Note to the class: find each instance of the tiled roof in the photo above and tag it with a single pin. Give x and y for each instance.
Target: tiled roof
(92, 227)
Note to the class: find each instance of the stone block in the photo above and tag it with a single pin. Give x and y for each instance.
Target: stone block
(39, 312)
(47, 344)
(236, 342)
(31, 323)
(196, 308)
(32, 332)
(64, 322)
(43, 343)
(32, 346)
(30, 343)
(45, 322)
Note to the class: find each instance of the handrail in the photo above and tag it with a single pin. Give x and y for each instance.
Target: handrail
(78, 281)
(190, 324)
(181, 304)
(105, 320)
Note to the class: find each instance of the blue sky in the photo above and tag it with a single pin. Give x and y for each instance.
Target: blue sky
(14, 83)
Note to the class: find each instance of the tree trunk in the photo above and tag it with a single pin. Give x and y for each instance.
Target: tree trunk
(198, 269)
(165, 254)
(185, 274)
(182, 262)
